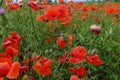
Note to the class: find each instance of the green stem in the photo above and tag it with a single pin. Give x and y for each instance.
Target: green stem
(1, 3)
(92, 44)
(34, 30)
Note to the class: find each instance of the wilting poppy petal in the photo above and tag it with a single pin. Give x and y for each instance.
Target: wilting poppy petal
(14, 71)
(61, 42)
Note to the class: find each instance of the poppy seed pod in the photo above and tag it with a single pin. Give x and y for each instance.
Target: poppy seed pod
(95, 29)
(2, 10)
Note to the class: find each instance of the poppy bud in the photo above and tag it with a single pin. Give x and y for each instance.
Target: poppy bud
(51, 50)
(95, 29)
(2, 10)
(25, 77)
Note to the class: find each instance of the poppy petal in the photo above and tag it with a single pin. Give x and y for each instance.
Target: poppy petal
(75, 60)
(1, 78)
(4, 68)
(74, 77)
(2, 60)
(14, 71)
(48, 63)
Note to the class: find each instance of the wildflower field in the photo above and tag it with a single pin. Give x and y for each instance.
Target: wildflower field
(59, 41)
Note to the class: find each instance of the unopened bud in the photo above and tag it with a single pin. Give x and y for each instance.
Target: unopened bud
(95, 29)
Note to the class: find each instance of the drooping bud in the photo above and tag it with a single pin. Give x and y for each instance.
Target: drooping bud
(95, 29)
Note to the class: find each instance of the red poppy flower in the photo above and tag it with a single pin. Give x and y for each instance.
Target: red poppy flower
(68, 19)
(40, 18)
(11, 51)
(32, 59)
(9, 61)
(94, 59)
(43, 67)
(4, 68)
(7, 42)
(86, 8)
(13, 40)
(94, 7)
(75, 77)
(63, 11)
(111, 10)
(77, 55)
(80, 3)
(60, 1)
(61, 42)
(14, 71)
(49, 39)
(63, 58)
(65, 23)
(71, 38)
(52, 13)
(14, 6)
(80, 71)
(9, 69)
(15, 37)
(16, 47)
(98, 19)
(33, 5)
